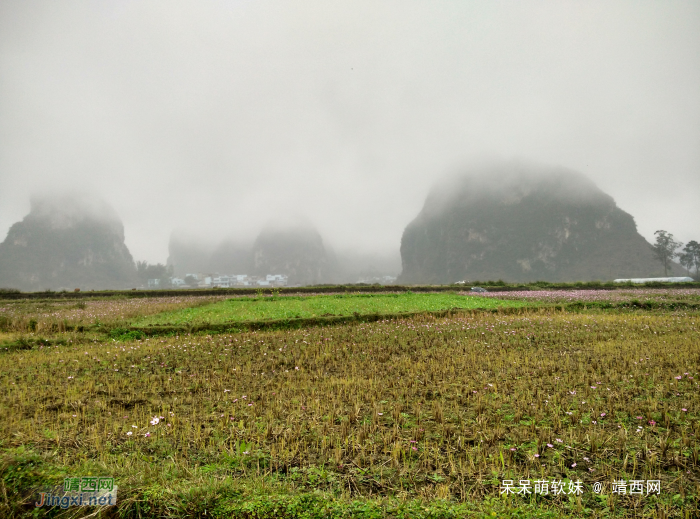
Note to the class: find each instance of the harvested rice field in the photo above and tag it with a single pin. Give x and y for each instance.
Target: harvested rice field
(539, 412)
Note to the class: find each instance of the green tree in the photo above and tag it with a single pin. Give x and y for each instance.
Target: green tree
(690, 257)
(665, 248)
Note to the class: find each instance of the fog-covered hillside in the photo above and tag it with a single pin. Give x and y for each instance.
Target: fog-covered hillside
(67, 242)
(522, 222)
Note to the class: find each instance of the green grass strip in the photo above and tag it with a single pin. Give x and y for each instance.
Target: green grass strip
(313, 307)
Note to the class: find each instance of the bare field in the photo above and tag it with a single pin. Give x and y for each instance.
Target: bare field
(644, 295)
(410, 413)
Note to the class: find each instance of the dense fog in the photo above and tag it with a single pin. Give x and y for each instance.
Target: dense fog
(202, 122)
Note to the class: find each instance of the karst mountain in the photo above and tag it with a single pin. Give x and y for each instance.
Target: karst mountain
(67, 242)
(521, 222)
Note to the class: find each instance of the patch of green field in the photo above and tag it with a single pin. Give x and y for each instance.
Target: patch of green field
(290, 307)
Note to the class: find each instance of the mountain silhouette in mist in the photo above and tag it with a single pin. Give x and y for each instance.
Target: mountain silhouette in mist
(291, 246)
(522, 222)
(67, 242)
(295, 249)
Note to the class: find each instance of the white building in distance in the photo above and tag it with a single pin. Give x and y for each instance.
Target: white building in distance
(655, 280)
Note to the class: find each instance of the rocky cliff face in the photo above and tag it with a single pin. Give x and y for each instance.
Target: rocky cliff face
(296, 251)
(522, 223)
(65, 243)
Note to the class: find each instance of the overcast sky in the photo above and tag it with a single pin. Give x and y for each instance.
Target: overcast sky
(213, 116)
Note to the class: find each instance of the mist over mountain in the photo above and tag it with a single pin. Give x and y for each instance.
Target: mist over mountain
(293, 248)
(188, 254)
(65, 242)
(282, 247)
(354, 266)
(522, 222)
(231, 257)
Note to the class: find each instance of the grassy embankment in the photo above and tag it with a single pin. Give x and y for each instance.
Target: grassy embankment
(419, 417)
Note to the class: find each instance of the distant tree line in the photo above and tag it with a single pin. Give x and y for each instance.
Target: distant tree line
(667, 248)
